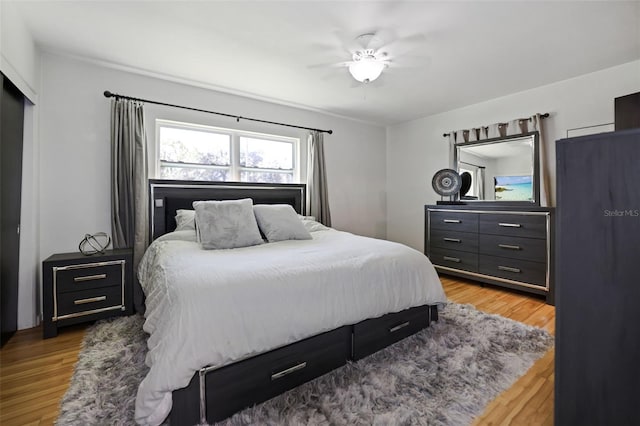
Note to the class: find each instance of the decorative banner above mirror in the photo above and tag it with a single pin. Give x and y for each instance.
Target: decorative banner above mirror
(503, 162)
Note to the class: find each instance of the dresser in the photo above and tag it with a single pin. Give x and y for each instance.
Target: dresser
(597, 361)
(79, 288)
(506, 246)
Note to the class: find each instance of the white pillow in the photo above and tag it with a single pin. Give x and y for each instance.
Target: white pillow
(313, 226)
(185, 220)
(226, 224)
(279, 222)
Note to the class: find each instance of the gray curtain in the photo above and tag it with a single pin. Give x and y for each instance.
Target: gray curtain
(129, 173)
(317, 194)
(513, 127)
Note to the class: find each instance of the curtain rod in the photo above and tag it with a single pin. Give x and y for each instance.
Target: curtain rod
(545, 115)
(108, 94)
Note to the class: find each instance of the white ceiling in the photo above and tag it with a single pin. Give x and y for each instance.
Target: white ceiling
(445, 54)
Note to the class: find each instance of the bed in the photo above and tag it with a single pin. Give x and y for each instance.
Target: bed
(232, 328)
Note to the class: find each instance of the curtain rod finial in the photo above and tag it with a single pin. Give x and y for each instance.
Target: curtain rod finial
(330, 132)
(107, 94)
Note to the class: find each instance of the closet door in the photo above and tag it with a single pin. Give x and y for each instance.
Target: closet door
(11, 136)
(597, 374)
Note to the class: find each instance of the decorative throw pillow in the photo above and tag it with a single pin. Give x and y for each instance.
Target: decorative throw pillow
(279, 222)
(313, 226)
(185, 220)
(226, 224)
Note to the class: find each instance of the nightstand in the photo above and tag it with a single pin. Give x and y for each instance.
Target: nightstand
(79, 288)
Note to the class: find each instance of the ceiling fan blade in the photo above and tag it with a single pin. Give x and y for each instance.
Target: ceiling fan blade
(403, 45)
(343, 64)
(410, 62)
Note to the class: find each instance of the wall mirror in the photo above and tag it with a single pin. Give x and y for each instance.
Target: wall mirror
(501, 170)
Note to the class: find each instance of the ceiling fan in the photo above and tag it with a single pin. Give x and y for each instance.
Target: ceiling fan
(373, 52)
(368, 62)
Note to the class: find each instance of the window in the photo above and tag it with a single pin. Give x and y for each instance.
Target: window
(196, 152)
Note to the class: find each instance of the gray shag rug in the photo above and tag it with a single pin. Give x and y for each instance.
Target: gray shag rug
(443, 375)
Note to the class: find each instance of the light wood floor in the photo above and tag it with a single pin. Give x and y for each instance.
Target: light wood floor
(35, 373)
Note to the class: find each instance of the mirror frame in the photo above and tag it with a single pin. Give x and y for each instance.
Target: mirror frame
(536, 168)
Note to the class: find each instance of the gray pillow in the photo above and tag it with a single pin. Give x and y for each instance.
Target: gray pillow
(226, 224)
(185, 220)
(279, 222)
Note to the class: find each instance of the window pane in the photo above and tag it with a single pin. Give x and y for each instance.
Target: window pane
(266, 154)
(270, 177)
(192, 173)
(193, 146)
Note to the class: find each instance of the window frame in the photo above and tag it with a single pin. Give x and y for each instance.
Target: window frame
(234, 168)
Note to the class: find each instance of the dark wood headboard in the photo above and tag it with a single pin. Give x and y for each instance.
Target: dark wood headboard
(167, 196)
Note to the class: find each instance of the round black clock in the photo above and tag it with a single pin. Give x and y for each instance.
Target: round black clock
(446, 182)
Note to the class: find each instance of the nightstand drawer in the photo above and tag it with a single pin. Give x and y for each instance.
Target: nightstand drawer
(89, 300)
(89, 276)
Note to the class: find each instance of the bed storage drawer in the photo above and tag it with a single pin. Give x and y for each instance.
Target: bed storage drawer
(371, 335)
(275, 372)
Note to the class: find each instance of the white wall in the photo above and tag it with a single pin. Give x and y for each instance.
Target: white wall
(417, 149)
(19, 58)
(75, 150)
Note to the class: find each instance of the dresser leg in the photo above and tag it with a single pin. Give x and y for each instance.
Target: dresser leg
(49, 329)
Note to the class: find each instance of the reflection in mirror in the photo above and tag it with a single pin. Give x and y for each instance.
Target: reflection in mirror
(502, 170)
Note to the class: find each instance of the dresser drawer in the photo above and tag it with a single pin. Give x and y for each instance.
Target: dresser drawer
(88, 300)
(517, 225)
(462, 241)
(273, 373)
(374, 334)
(454, 259)
(532, 249)
(88, 276)
(454, 221)
(513, 269)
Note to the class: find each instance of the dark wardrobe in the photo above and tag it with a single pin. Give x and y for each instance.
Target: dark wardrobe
(11, 137)
(597, 364)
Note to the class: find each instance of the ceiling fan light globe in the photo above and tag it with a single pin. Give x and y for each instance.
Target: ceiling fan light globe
(365, 70)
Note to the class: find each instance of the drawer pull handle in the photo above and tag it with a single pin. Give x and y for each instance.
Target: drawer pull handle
(451, 259)
(89, 300)
(452, 221)
(509, 269)
(510, 225)
(281, 374)
(509, 246)
(453, 240)
(399, 327)
(90, 278)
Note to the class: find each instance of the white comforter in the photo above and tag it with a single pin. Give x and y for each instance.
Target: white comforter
(213, 307)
